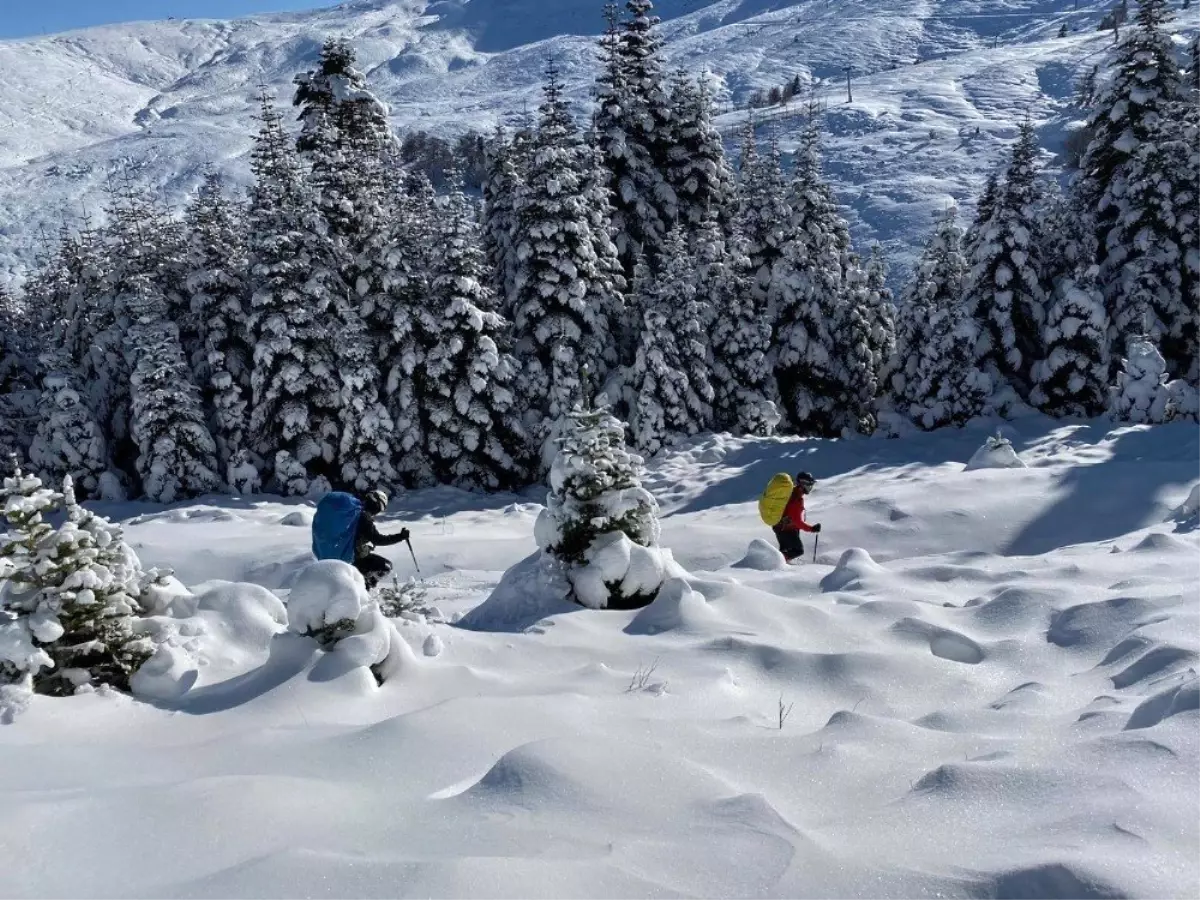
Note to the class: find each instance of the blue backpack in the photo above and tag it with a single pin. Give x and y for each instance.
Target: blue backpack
(335, 526)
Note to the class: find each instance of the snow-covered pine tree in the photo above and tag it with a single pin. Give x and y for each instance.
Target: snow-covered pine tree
(1006, 289)
(1072, 377)
(1187, 225)
(69, 441)
(1145, 80)
(822, 353)
(934, 376)
(217, 276)
(70, 594)
(501, 187)
(1146, 269)
(671, 374)
(741, 335)
(1142, 394)
(295, 402)
(630, 98)
(177, 457)
(404, 265)
(15, 333)
(881, 314)
(697, 170)
(763, 211)
(337, 92)
(565, 293)
(985, 208)
(598, 507)
(475, 436)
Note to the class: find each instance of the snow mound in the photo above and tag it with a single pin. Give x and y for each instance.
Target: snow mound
(1164, 704)
(222, 630)
(854, 567)
(762, 557)
(528, 592)
(996, 453)
(676, 608)
(324, 593)
(300, 518)
(167, 675)
(1189, 511)
(433, 646)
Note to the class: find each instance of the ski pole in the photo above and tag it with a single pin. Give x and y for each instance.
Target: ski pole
(414, 556)
(816, 540)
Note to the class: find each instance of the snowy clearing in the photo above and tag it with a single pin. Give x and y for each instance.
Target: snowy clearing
(985, 686)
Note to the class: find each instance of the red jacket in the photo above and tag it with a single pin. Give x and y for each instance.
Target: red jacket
(793, 513)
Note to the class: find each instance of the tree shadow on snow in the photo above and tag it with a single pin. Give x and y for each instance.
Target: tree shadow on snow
(755, 463)
(1113, 497)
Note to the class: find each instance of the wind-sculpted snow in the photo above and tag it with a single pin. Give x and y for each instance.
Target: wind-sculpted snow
(991, 695)
(938, 90)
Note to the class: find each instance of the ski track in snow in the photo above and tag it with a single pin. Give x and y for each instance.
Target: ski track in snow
(991, 678)
(164, 100)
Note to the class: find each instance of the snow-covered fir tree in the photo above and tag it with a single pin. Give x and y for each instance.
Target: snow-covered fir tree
(881, 314)
(597, 502)
(14, 341)
(177, 457)
(69, 595)
(506, 160)
(1146, 269)
(823, 359)
(1006, 289)
(405, 267)
(1145, 80)
(565, 293)
(335, 95)
(1072, 377)
(475, 436)
(741, 335)
(69, 441)
(934, 377)
(631, 119)
(1142, 394)
(296, 391)
(763, 210)
(366, 428)
(16, 369)
(217, 275)
(697, 169)
(671, 375)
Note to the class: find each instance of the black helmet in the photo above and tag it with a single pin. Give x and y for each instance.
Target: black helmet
(375, 502)
(805, 480)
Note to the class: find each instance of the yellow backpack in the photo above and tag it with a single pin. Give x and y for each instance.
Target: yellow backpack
(775, 498)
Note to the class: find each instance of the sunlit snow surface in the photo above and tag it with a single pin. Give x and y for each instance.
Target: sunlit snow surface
(164, 100)
(991, 678)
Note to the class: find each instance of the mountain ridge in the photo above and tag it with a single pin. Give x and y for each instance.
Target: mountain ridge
(165, 100)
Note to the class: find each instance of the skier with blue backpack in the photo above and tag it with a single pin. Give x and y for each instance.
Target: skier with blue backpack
(344, 528)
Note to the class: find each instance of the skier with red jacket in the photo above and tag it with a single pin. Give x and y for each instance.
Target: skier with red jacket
(787, 532)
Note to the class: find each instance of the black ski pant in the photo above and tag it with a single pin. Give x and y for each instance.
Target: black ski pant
(373, 567)
(790, 544)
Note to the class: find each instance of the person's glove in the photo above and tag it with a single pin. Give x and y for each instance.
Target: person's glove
(817, 528)
(403, 535)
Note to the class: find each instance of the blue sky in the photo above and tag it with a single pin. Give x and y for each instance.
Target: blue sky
(19, 18)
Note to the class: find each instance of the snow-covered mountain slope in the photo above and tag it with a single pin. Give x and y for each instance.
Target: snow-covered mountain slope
(165, 99)
(991, 678)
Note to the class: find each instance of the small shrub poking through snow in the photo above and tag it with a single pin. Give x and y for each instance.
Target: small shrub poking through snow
(68, 596)
(996, 453)
(600, 525)
(326, 601)
(410, 597)
(1142, 394)
(329, 602)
